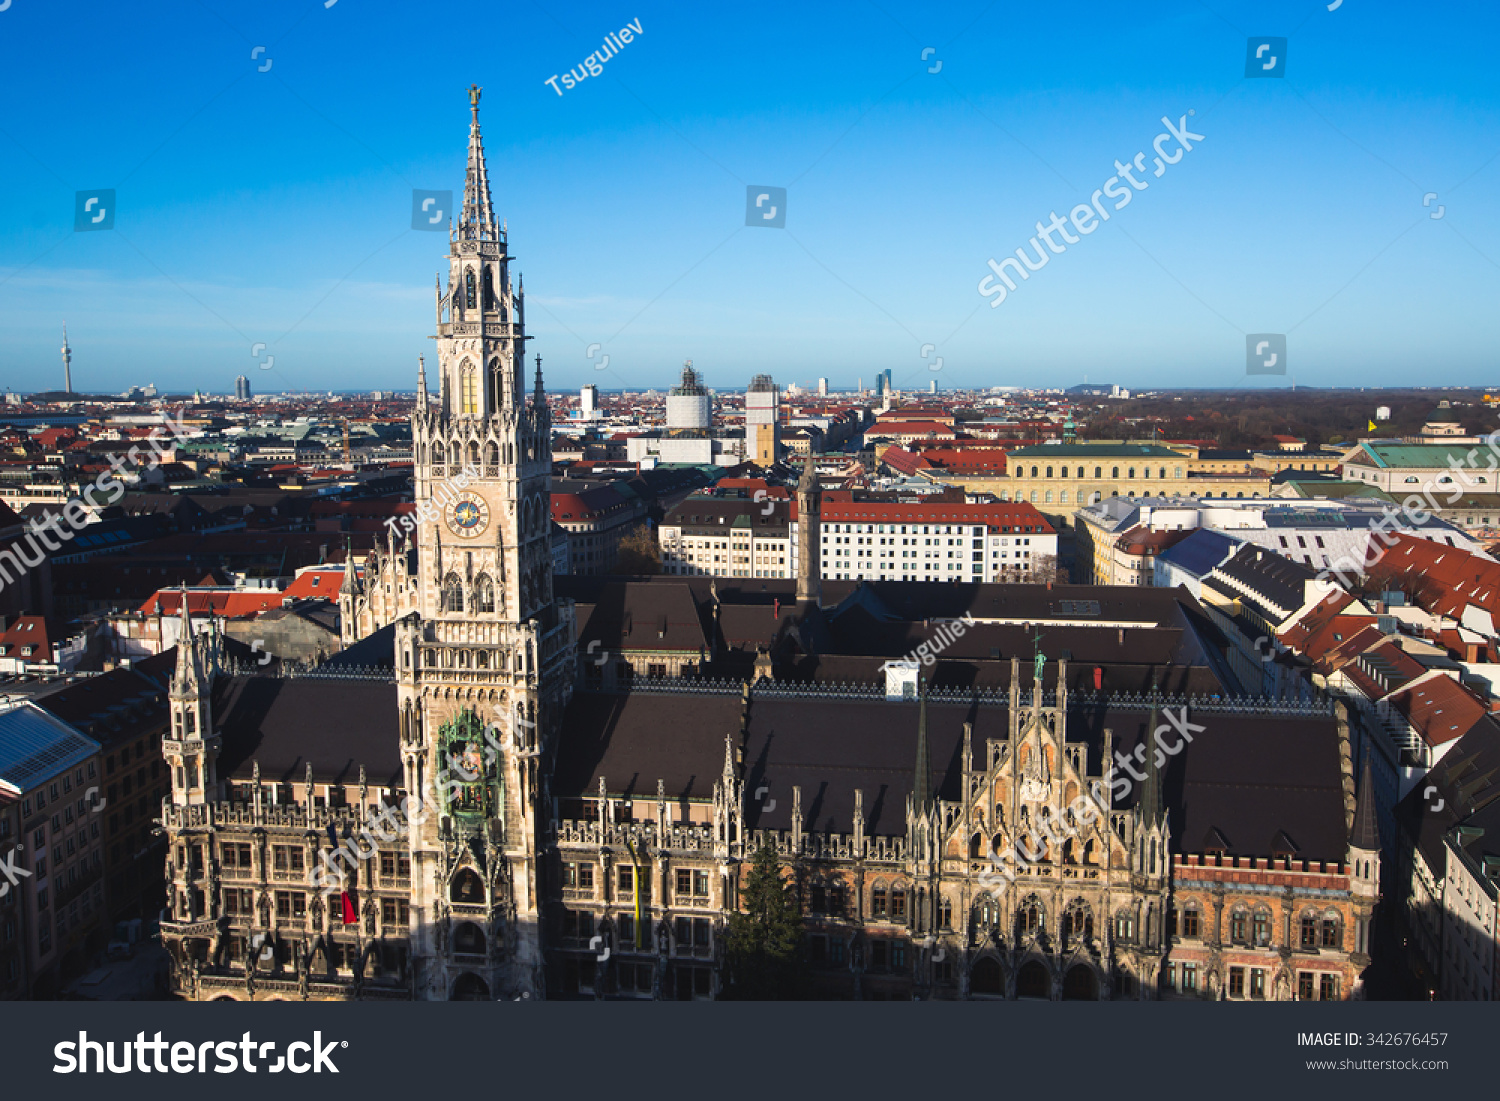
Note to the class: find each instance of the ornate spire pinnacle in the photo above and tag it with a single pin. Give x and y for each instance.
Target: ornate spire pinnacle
(540, 390)
(187, 679)
(1151, 791)
(476, 222)
(1365, 832)
(351, 578)
(921, 792)
(421, 383)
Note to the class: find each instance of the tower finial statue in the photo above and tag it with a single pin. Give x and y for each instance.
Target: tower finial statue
(474, 93)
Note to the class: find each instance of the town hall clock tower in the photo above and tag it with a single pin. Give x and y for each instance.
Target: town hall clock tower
(485, 663)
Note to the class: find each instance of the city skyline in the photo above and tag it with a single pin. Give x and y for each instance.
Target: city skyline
(266, 199)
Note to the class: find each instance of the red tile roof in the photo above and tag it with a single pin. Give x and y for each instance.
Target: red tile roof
(1016, 516)
(1439, 708)
(229, 603)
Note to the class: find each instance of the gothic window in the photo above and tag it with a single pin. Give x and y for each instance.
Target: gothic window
(489, 289)
(491, 458)
(878, 901)
(484, 594)
(474, 453)
(1029, 917)
(1191, 920)
(1238, 926)
(1124, 926)
(1330, 930)
(1309, 930)
(453, 594)
(468, 397)
(467, 888)
(469, 295)
(1262, 926)
(898, 903)
(945, 914)
(986, 915)
(1078, 922)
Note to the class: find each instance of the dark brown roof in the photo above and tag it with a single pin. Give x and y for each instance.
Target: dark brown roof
(284, 723)
(1248, 776)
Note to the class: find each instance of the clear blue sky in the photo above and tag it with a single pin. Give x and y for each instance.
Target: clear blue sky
(275, 206)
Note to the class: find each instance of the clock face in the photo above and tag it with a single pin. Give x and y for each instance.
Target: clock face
(468, 516)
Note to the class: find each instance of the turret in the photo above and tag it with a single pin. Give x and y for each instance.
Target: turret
(192, 749)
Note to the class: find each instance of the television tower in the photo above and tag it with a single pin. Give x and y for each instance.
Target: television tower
(67, 354)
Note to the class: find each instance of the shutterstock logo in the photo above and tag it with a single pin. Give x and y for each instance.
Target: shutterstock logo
(185, 1057)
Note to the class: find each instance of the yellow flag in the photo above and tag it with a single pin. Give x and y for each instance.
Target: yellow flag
(1372, 426)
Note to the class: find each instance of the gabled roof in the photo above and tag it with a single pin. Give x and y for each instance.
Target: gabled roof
(1439, 708)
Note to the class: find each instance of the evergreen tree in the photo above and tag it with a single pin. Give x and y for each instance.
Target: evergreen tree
(764, 945)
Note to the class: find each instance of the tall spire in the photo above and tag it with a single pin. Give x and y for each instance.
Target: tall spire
(541, 393)
(421, 383)
(1151, 789)
(1365, 833)
(921, 792)
(187, 680)
(476, 222)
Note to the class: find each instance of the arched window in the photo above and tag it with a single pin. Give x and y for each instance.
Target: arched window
(1239, 925)
(1064, 498)
(1049, 497)
(945, 914)
(491, 457)
(489, 289)
(898, 903)
(1261, 928)
(1114, 472)
(1124, 926)
(1033, 496)
(1078, 921)
(1033, 472)
(1049, 472)
(453, 594)
(1331, 930)
(1191, 919)
(1308, 929)
(467, 888)
(1098, 472)
(878, 900)
(1080, 472)
(1029, 917)
(470, 298)
(1162, 473)
(1131, 472)
(484, 594)
(1411, 481)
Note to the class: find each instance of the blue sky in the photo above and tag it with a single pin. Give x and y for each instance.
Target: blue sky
(274, 207)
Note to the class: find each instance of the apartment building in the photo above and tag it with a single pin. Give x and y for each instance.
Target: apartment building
(53, 771)
(934, 541)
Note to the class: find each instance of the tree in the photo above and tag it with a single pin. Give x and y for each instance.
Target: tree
(764, 945)
(638, 553)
